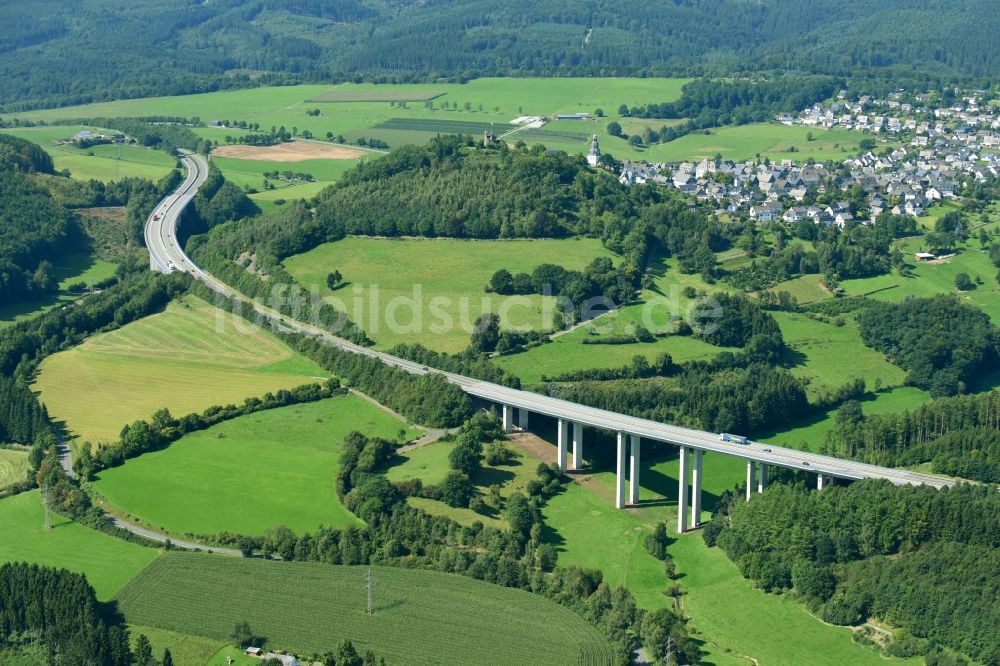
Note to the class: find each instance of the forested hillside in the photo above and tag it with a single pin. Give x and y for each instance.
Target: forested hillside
(60, 51)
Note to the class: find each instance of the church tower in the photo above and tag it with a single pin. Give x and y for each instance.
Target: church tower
(594, 156)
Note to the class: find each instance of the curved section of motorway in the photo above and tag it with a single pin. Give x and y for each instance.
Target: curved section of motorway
(166, 255)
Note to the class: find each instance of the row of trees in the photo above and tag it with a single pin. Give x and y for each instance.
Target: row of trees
(921, 559)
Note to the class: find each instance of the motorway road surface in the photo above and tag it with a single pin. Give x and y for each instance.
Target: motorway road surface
(167, 255)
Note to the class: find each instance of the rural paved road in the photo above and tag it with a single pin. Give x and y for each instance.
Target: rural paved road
(162, 538)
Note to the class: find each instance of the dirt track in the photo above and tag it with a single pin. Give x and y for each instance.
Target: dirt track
(293, 151)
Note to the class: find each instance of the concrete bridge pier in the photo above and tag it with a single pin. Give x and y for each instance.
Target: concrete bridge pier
(577, 446)
(696, 476)
(750, 479)
(682, 491)
(762, 478)
(820, 481)
(620, 471)
(633, 474)
(522, 419)
(508, 419)
(563, 442)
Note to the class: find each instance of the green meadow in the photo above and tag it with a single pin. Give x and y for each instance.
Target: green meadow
(108, 562)
(568, 353)
(104, 162)
(768, 139)
(442, 279)
(187, 358)
(827, 356)
(810, 432)
(421, 617)
(399, 114)
(249, 474)
(13, 466)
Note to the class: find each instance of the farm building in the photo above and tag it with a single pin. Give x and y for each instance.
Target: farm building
(925, 256)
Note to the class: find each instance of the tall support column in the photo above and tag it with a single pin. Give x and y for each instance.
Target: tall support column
(522, 419)
(682, 491)
(577, 446)
(620, 473)
(696, 489)
(762, 478)
(820, 482)
(633, 473)
(508, 419)
(563, 436)
(749, 479)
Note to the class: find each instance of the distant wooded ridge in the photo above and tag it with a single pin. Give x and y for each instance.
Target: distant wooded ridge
(57, 52)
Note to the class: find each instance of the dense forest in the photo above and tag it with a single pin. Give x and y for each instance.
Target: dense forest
(923, 560)
(54, 51)
(956, 435)
(942, 342)
(60, 609)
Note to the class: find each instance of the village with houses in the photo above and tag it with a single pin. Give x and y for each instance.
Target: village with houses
(918, 155)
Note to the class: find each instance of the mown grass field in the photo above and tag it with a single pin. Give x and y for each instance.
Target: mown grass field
(364, 110)
(421, 617)
(107, 561)
(252, 473)
(568, 353)
(13, 466)
(72, 268)
(187, 358)
(769, 139)
(432, 290)
(106, 163)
